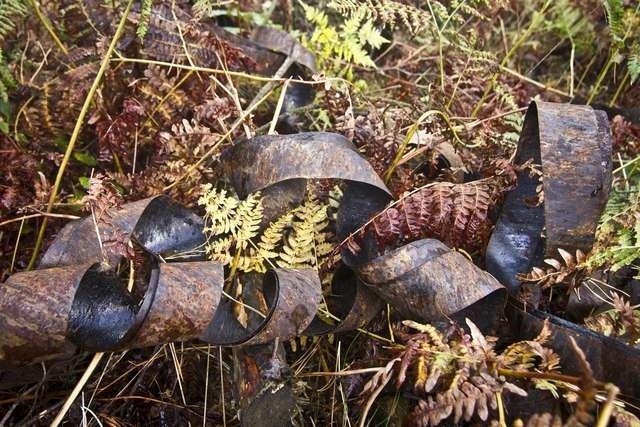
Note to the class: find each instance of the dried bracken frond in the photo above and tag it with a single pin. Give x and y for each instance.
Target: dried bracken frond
(167, 28)
(457, 376)
(56, 106)
(586, 393)
(622, 321)
(568, 270)
(456, 214)
(116, 135)
(101, 197)
(20, 175)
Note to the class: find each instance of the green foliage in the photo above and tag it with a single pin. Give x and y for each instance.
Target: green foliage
(623, 24)
(143, 20)
(339, 48)
(618, 238)
(6, 79)
(571, 22)
(296, 239)
(437, 17)
(7, 82)
(633, 62)
(615, 15)
(9, 11)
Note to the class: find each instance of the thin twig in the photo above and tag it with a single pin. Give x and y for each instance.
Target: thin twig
(77, 389)
(38, 215)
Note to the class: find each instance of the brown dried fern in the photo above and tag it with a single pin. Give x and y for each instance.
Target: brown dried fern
(456, 214)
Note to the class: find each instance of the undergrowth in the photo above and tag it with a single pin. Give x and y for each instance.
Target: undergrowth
(432, 95)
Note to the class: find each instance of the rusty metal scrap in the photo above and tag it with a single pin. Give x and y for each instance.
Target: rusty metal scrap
(426, 280)
(77, 301)
(158, 224)
(610, 359)
(572, 143)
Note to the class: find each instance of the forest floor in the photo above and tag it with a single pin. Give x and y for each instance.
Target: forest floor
(106, 103)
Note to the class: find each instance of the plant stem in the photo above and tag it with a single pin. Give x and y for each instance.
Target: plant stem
(48, 26)
(76, 133)
(534, 24)
(601, 76)
(623, 83)
(542, 375)
(607, 408)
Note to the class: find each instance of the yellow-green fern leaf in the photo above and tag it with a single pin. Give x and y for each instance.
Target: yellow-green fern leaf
(248, 219)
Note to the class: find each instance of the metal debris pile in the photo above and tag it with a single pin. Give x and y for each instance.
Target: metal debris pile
(75, 301)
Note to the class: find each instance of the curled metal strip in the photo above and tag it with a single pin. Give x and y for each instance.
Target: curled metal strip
(264, 161)
(55, 311)
(183, 303)
(281, 42)
(605, 355)
(573, 145)
(279, 165)
(158, 224)
(44, 299)
(426, 280)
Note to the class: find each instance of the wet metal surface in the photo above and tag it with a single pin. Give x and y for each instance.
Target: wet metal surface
(34, 312)
(52, 311)
(573, 145)
(426, 280)
(158, 224)
(611, 360)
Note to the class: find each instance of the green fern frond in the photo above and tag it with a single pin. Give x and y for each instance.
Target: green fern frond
(145, 16)
(633, 62)
(615, 16)
(346, 43)
(10, 10)
(618, 237)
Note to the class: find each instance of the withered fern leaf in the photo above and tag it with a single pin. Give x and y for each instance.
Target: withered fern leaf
(456, 214)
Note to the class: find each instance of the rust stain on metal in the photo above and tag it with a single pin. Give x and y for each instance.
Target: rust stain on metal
(186, 296)
(156, 223)
(428, 281)
(424, 280)
(34, 308)
(573, 145)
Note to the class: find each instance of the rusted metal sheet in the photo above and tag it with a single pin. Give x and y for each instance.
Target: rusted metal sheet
(263, 161)
(280, 165)
(34, 309)
(281, 42)
(426, 280)
(350, 300)
(610, 359)
(185, 298)
(158, 224)
(573, 145)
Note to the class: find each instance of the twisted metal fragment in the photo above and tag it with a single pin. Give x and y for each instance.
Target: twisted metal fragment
(610, 359)
(77, 301)
(572, 143)
(426, 280)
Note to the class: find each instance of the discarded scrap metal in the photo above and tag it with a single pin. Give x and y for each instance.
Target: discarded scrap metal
(426, 280)
(572, 143)
(77, 302)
